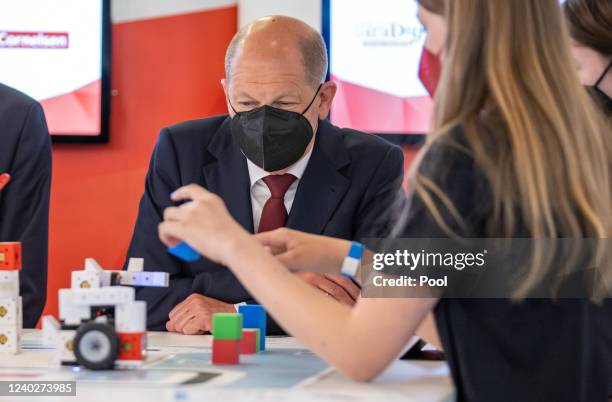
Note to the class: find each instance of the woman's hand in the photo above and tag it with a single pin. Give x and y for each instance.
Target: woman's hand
(301, 251)
(204, 223)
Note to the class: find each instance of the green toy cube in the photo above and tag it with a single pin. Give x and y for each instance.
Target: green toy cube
(257, 339)
(227, 326)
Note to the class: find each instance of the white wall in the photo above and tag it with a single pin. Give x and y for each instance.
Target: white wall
(131, 10)
(308, 11)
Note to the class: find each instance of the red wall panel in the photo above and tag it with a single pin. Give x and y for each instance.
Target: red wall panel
(164, 70)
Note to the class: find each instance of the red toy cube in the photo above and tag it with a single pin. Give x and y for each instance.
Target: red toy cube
(10, 256)
(225, 351)
(248, 343)
(132, 346)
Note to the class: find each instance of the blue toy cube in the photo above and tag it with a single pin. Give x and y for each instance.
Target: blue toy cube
(254, 316)
(184, 252)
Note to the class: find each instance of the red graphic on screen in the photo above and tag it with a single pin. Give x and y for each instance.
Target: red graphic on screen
(374, 111)
(77, 112)
(34, 40)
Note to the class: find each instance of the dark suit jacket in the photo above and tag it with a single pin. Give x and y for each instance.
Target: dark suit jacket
(25, 153)
(349, 185)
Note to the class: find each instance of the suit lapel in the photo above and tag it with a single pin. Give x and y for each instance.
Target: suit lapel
(228, 176)
(322, 186)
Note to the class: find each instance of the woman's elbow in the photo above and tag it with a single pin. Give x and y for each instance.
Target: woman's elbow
(360, 373)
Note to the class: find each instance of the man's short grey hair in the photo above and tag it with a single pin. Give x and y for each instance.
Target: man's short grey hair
(311, 45)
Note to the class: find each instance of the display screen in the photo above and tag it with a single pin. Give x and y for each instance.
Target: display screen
(375, 49)
(54, 51)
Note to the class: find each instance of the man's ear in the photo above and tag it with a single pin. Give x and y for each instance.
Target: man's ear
(326, 94)
(225, 86)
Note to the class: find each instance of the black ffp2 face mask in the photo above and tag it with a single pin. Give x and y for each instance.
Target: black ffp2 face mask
(272, 138)
(600, 96)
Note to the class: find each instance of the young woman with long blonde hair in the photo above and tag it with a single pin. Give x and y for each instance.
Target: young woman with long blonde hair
(533, 161)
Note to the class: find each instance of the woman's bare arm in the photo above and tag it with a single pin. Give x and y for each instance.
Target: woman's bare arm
(360, 342)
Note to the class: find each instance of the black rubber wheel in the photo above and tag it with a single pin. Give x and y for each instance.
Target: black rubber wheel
(96, 346)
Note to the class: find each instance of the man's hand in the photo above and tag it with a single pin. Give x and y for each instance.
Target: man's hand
(193, 315)
(337, 286)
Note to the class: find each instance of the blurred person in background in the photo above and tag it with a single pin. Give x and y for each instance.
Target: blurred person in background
(431, 16)
(25, 154)
(590, 26)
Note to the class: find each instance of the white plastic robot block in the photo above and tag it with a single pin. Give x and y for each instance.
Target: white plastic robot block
(106, 296)
(9, 284)
(69, 311)
(86, 279)
(92, 265)
(10, 312)
(9, 339)
(149, 279)
(65, 347)
(131, 317)
(20, 317)
(82, 322)
(90, 277)
(60, 339)
(136, 265)
(94, 276)
(50, 330)
(11, 320)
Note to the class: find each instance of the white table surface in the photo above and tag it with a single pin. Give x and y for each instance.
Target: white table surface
(402, 381)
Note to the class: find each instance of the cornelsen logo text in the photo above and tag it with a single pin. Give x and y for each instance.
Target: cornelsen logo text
(33, 40)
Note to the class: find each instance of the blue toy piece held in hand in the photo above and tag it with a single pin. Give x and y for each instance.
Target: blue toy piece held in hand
(184, 252)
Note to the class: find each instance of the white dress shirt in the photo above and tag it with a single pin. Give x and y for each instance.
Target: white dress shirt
(260, 193)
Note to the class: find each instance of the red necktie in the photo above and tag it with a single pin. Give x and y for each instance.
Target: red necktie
(274, 214)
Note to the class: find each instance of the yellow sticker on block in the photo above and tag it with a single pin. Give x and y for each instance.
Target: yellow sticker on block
(2, 257)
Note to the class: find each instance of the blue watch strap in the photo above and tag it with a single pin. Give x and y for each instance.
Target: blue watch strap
(352, 261)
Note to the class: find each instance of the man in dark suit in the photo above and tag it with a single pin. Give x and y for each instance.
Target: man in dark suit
(275, 161)
(25, 153)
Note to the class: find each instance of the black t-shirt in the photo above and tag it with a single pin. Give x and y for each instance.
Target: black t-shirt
(500, 350)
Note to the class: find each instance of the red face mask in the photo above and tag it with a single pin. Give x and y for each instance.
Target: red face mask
(429, 71)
